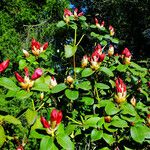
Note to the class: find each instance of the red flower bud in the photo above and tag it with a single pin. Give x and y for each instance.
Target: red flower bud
(19, 77)
(56, 116)
(45, 122)
(67, 12)
(4, 65)
(37, 73)
(20, 147)
(35, 44)
(126, 52)
(26, 72)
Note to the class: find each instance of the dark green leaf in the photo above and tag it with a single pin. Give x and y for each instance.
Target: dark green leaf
(92, 122)
(119, 123)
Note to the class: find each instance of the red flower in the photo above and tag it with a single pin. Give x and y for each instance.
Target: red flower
(121, 91)
(4, 65)
(67, 12)
(37, 73)
(99, 25)
(45, 123)
(126, 55)
(19, 77)
(37, 48)
(55, 119)
(76, 15)
(56, 116)
(25, 82)
(112, 31)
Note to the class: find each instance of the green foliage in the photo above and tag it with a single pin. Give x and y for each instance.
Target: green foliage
(85, 94)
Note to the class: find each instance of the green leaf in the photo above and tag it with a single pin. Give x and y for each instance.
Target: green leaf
(83, 18)
(111, 109)
(128, 109)
(103, 42)
(61, 24)
(93, 26)
(87, 72)
(70, 50)
(122, 68)
(11, 119)
(74, 26)
(65, 141)
(70, 128)
(114, 40)
(31, 59)
(92, 122)
(107, 71)
(11, 93)
(104, 148)
(85, 85)
(136, 66)
(108, 138)
(31, 116)
(47, 144)
(101, 122)
(102, 86)
(8, 84)
(72, 95)
(2, 136)
(137, 133)
(87, 100)
(23, 94)
(43, 87)
(96, 134)
(22, 64)
(58, 88)
(119, 123)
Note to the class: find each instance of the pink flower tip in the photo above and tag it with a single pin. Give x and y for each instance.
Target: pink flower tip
(37, 73)
(4, 65)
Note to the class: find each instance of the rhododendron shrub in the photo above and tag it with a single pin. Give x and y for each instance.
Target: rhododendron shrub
(96, 99)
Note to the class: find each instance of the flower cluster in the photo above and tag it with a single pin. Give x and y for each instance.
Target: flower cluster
(26, 82)
(95, 60)
(4, 65)
(68, 13)
(121, 91)
(55, 120)
(99, 25)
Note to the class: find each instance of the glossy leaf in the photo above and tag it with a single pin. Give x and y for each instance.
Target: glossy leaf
(64, 140)
(107, 71)
(70, 50)
(23, 94)
(85, 85)
(58, 88)
(31, 116)
(2, 136)
(87, 72)
(47, 144)
(71, 94)
(102, 86)
(96, 134)
(87, 100)
(8, 84)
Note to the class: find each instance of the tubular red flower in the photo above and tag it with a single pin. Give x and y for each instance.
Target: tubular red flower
(45, 45)
(37, 73)
(4, 65)
(96, 21)
(56, 116)
(126, 52)
(35, 44)
(120, 86)
(45, 122)
(26, 72)
(67, 12)
(19, 77)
